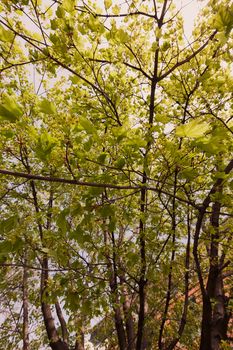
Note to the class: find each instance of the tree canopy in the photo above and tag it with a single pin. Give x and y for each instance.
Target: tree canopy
(116, 175)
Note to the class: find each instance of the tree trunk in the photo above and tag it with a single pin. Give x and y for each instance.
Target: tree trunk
(220, 315)
(129, 323)
(142, 281)
(215, 315)
(120, 328)
(59, 345)
(79, 344)
(62, 322)
(206, 325)
(25, 308)
(119, 324)
(54, 340)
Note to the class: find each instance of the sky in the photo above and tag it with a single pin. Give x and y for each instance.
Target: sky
(190, 11)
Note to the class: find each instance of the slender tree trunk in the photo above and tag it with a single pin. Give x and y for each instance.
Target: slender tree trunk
(129, 323)
(183, 319)
(142, 281)
(215, 316)
(119, 324)
(25, 308)
(54, 340)
(206, 324)
(120, 328)
(62, 322)
(79, 344)
(170, 275)
(221, 316)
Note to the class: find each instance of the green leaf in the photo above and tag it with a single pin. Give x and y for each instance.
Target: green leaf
(6, 35)
(6, 247)
(122, 36)
(120, 163)
(47, 107)
(80, 236)
(161, 118)
(45, 145)
(96, 191)
(87, 145)
(17, 244)
(107, 4)
(211, 145)
(137, 142)
(60, 12)
(62, 222)
(86, 307)
(193, 129)
(54, 26)
(189, 173)
(7, 133)
(9, 109)
(120, 134)
(116, 10)
(68, 5)
(9, 224)
(87, 125)
(112, 224)
(224, 20)
(133, 257)
(101, 158)
(106, 211)
(74, 79)
(45, 250)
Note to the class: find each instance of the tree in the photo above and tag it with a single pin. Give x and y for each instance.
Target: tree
(116, 169)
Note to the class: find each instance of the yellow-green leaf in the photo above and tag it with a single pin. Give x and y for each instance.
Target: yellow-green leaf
(116, 10)
(68, 5)
(6, 35)
(193, 129)
(107, 4)
(47, 107)
(122, 36)
(87, 125)
(9, 109)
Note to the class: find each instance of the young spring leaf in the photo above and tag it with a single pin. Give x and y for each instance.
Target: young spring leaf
(87, 125)
(47, 107)
(107, 4)
(68, 5)
(193, 129)
(6, 35)
(9, 109)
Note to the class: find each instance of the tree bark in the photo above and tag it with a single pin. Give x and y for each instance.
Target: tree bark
(25, 308)
(54, 340)
(142, 281)
(62, 322)
(215, 316)
(129, 323)
(183, 319)
(79, 344)
(119, 324)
